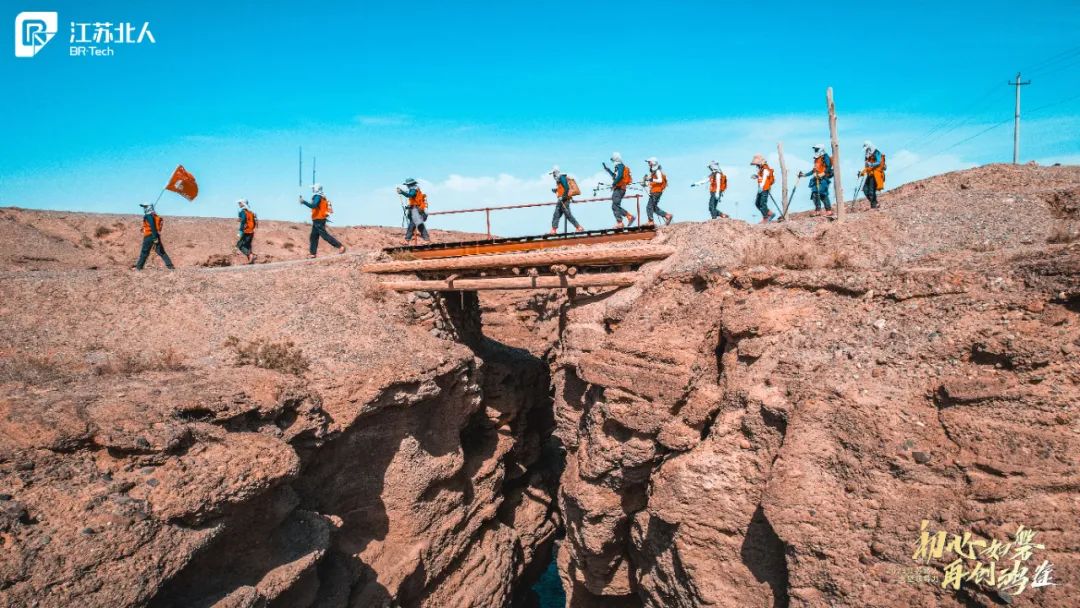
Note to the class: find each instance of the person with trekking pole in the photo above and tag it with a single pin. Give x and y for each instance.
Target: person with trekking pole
(620, 179)
(151, 230)
(565, 189)
(416, 212)
(717, 185)
(874, 173)
(765, 179)
(656, 183)
(820, 176)
(246, 231)
(320, 212)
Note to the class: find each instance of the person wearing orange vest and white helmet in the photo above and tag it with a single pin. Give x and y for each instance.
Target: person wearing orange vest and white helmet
(620, 179)
(320, 211)
(417, 211)
(562, 192)
(151, 230)
(874, 172)
(246, 231)
(765, 180)
(657, 183)
(819, 180)
(717, 185)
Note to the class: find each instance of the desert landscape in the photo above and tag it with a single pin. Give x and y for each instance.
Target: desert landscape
(765, 418)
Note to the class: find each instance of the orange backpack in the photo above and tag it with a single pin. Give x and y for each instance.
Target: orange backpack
(574, 190)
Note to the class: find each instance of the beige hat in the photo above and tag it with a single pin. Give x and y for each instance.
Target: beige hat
(758, 160)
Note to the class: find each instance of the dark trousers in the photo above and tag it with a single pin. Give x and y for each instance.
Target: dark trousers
(654, 206)
(762, 202)
(870, 190)
(563, 208)
(245, 242)
(617, 195)
(714, 201)
(416, 220)
(819, 193)
(318, 229)
(149, 243)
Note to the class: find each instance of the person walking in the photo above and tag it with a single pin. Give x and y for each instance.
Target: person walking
(151, 230)
(717, 186)
(620, 179)
(565, 189)
(657, 182)
(320, 211)
(820, 177)
(874, 172)
(246, 230)
(765, 178)
(417, 210)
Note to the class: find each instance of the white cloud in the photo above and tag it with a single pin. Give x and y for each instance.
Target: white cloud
(384, 120)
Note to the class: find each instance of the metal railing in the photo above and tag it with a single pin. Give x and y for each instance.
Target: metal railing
(487, 210)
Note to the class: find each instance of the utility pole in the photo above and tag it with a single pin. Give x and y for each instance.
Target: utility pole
(837, 188)
(1016, 120)
(783, 178)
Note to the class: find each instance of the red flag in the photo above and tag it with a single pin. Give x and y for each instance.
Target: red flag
(183, 183)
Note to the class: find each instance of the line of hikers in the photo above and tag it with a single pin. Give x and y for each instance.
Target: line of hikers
(566, 188)
(320, 206)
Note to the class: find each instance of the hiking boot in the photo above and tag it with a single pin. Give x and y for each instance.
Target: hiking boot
(650, 224)
(579, 229)
(311, 256)
(341, 249)
(667, 219)
(629, 220)
(554, 231)
(619, 225)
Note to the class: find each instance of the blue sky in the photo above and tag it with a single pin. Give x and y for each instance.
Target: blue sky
(478, 100)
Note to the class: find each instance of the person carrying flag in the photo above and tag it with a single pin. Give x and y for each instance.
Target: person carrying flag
(151, 230)
(246, 231)
(320, 210)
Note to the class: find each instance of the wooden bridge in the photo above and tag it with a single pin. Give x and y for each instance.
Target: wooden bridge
(561, 261)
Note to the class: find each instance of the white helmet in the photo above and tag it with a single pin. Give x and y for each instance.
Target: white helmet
(652, 161)
(819, 150)
(867, 145)
(714, 166)
(243, 203)
(147, 207)
(555, 171)
(616, 157)
(316, 188)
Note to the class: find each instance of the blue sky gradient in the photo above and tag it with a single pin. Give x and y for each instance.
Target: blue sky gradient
(478, 100)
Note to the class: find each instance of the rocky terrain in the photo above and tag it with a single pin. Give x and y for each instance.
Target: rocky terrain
(765, 419)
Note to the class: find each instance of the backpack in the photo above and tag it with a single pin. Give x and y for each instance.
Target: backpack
(573, 190)
(882, 162)
(723, 182)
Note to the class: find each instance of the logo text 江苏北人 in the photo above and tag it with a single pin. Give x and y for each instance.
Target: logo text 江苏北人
(33, 30)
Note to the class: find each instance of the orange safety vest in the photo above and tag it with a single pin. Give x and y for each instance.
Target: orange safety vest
(717, 182)
(658, 187)
(561, 192)
(819, 167)
(626, 179)
(322, 210)
(420, 200)
(249, 222)
(878, 172)
(768, 181)
(157, 224)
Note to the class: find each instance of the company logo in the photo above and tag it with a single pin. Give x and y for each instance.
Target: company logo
(33, 30)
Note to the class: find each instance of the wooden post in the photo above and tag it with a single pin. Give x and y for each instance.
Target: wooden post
(837, 188)
(783, 179)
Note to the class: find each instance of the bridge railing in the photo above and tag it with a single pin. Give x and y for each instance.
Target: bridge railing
(487, 210)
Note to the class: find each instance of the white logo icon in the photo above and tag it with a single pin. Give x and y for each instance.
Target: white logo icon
(33, 30)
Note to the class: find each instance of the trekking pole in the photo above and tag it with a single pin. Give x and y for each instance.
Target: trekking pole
(775, 204)
(858, 189)
(791, 197)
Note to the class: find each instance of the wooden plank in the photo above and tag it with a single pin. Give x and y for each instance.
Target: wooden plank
(576, 257)
(612, 279)
(483, 248)
(783, 175)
